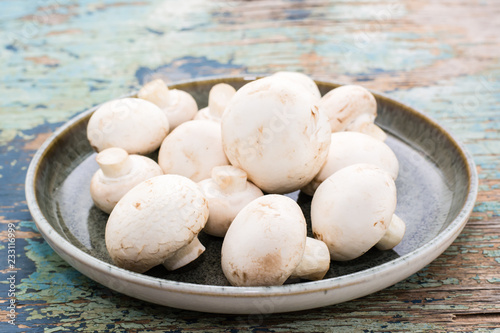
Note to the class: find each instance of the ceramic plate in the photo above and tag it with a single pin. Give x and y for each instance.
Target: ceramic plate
(437, 187)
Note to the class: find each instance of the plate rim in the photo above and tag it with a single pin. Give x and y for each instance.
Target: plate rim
(424, 252)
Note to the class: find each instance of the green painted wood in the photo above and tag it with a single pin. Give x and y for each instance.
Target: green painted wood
(60, 57)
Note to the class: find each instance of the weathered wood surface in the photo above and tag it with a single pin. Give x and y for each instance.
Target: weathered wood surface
(59, 57)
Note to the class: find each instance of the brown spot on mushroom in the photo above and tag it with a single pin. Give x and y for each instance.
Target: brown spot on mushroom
(137, 205)
(268, 205)
(313, 113)
(188, 154)
(382, 222)
(318, 236)
(271, 261)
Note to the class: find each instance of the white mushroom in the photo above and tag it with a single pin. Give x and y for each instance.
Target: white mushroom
(305, 81)
(157, 222)
(178, 105)
(192, 150)
(353, 209)
(119, 172)
(136, 125)
(315, 261)
(352, 108)
(218, 98)
(184, 255)
(348, 148)
(266, 243)
(274, 131)
(227, 192)
(393, 235)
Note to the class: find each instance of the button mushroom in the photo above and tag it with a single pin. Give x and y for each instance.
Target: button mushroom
(192, 150)
(136, 125)
(348, 148)
(157, 222)
(119, 172)
(178, 105)
(315, 261)
(266, 244)
(352, 108)
(227, 192)
(305, 81)
(273, 130)
(218, 98)
(353, 210)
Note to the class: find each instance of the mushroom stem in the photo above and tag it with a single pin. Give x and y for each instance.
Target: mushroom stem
(184, 255)
(114, 162)
(156, 92)
(393, 235)
(315, 261)
(229, 178)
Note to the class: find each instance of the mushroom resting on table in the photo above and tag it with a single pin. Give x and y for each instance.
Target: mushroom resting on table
(352, 108)
(227, 192)
(157, 222)
(348, 148)
(353, 210)
(136, 125)
(267, 243)
(119, 172)
(274, 131)
(178, 105)
(218, 98)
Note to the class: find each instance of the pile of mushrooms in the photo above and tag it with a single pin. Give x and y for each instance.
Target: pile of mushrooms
(222, 170)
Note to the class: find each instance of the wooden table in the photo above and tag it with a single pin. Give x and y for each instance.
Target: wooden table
(58, 58)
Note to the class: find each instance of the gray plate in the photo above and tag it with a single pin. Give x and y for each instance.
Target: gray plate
(437, 187)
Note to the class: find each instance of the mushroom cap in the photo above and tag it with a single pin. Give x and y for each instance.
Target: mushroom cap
(218, 98)
(178, 105)
(107, 191)
(136, 125)
(344, 104)
(352, 209)
(265, 242)
(226, 200)
(204, 114)
(305, 81)
(182, 107)
(153, 220)
(156, 92)
(348, 148)
(273, 130)
(192, 150)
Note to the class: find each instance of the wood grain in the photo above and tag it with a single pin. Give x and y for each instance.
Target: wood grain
(59, 58)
